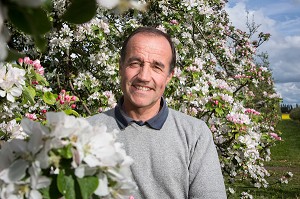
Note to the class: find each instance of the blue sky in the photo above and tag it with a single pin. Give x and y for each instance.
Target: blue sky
(280, 18)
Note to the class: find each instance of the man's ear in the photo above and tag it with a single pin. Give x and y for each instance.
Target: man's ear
(170, 76)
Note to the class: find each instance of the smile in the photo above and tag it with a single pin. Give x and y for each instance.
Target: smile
(142, 88)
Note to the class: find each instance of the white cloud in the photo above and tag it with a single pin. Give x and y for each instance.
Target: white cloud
(282, 21)
(238, 16)
(284, 58)
(290, 92)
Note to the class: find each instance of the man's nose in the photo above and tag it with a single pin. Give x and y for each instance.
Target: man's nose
(145, 73)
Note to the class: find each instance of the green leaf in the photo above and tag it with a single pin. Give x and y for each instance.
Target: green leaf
(236, 146)
(71, 112)
(40, 78)
(2, 135)
(32, 21)
(40, 42)
(236, 136)
(87, 185)
(48, 5)
(49, 98)
(29, 94)
(52, 190)
(13, 55)
(66, 185)
(219, 111)
(80, 11)
(66, 152)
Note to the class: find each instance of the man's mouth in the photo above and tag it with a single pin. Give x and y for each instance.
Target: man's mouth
(142, 88)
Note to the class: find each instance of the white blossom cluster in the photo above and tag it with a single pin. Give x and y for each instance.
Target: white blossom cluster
(88, 78)
(95, 153)
(246, 195)
(13, 129)
(61, 39)
(12, 80)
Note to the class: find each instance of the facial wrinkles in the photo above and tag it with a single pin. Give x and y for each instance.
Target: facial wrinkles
(148, 53)
(147, 58)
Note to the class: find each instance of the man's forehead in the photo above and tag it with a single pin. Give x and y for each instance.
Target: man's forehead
(146, 35)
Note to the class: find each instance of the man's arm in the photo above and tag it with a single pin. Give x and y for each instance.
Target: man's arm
(206, 179)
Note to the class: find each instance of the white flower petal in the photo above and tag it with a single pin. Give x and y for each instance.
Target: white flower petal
(15, 91)
(82, 171)
(102, 189)
(2, 93)
(79, 172)
(10, 98)
(15, 172)
(92, 161)
(108, 3)
(35, 194)
(36, 141)
(43, 182)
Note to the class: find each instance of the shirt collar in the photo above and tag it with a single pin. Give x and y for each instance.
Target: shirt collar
(156, 122)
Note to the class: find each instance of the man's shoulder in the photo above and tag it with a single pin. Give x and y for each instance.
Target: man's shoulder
(184, 117)
(104, 117)
(192, 127)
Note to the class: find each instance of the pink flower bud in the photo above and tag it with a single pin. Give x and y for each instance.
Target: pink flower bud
(63, 91)
(40, 71)
(44, 111)
(275, 136)
(36, 64)
(67, 98)
(73, 98)
(27, 60)
(34, 82)
(174, 22)
(73, 106)
(61, 101)
(31, 116)
(20, 60)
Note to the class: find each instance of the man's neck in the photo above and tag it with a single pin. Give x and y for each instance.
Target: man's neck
(143, 113)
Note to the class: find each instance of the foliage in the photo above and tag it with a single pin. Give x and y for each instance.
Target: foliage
(284, 158)
(26, 92)
(295, 114)
(220, 77)
(285, 108)
(32, 17)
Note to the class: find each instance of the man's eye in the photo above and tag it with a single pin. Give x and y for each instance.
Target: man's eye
(135, 64)
(157, 67)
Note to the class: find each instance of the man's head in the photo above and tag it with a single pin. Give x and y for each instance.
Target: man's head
(149, 31)
(145, 69)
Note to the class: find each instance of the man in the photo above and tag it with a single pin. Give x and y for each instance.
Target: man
(174, 154)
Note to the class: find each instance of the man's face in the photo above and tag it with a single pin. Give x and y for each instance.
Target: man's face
(145, 71)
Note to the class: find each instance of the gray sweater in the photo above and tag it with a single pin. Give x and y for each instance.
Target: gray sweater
(176, 162)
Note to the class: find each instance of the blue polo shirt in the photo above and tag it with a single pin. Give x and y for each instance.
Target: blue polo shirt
(156, 122)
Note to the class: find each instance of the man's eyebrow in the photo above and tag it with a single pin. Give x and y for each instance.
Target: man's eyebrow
(158, 63)
(134, 59)
(139, 59)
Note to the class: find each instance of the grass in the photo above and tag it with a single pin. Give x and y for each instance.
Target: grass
(285, 157)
